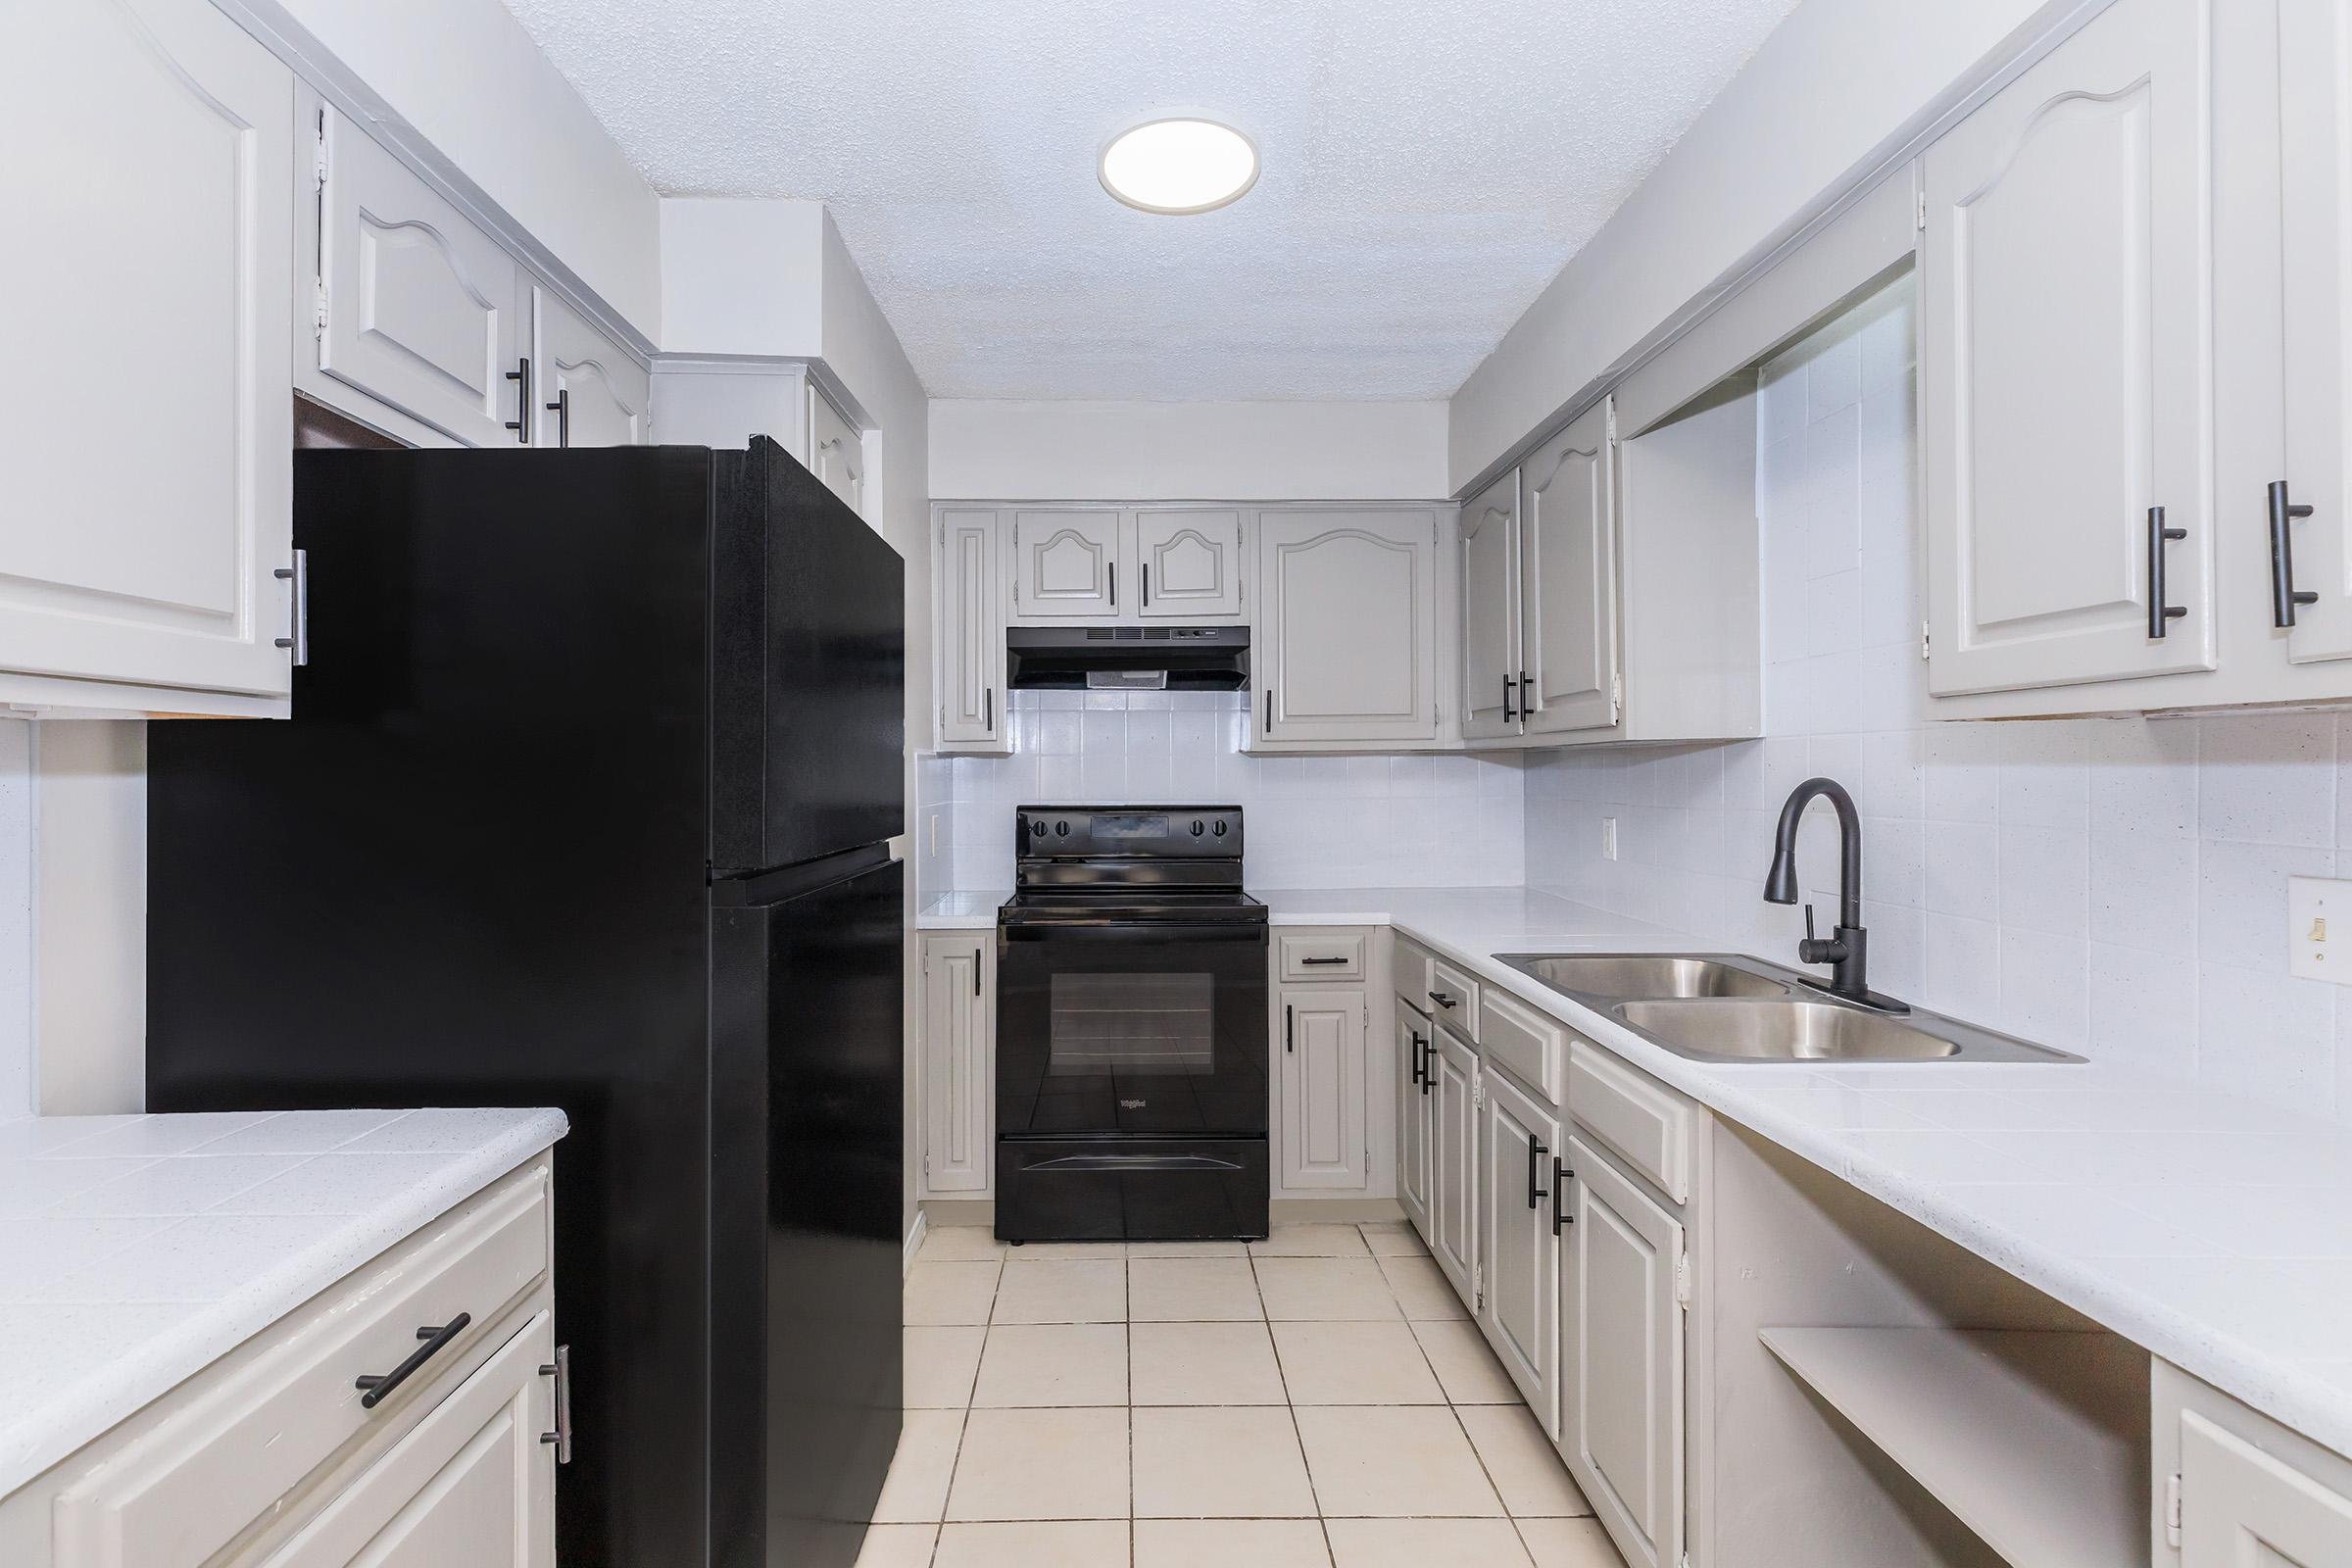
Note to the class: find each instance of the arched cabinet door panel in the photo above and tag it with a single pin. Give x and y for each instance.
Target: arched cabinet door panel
(1490, 595)
(1065, 564)
(1568, 579)
(590, 391)
(1346, 641)
(1188, 564)
(2066, 363)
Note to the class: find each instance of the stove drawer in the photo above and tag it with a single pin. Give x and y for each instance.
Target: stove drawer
(1131, 1189)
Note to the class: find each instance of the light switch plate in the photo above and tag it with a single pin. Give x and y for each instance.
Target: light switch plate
(1608, 837)
(2318, 929)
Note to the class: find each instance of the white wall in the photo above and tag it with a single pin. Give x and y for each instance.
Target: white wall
(2116, 887)
(468, 79)
(987, 450)
(1411, 821)
(1835, 84)
(743, 277)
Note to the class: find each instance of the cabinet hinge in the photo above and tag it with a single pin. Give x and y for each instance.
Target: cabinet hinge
(1617, 693)
(1922, 219)
(1926, 640)
(1478, 1286)
(319, 155)
(1682, 1281)
(2171, 1509)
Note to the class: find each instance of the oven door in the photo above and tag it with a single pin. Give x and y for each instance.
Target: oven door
(1152, 1029)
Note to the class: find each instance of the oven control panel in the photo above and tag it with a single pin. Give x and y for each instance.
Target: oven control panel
(1136, 832)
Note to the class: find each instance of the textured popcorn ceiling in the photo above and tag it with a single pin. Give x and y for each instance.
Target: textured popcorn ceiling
(1428, 165)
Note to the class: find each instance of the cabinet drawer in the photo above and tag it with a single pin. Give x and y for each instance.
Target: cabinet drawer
(1452, 997)
(223, 1462)
(1643, 1123)
(1411, 962)
(1329, 957)
(1530, 1045)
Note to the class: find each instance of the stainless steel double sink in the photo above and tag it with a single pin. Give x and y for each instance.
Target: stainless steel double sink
(1716, 1006)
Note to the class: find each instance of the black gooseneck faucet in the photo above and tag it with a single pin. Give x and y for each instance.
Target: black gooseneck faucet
(1847, 949)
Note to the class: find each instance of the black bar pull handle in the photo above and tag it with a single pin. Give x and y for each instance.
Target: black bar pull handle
(2284, 596)
(1508, 684)
(562, 410)
(2160, 613)
(975, 971)
(1420, 1062)
(520, 424)
(1443, 999)
(1560, 1217)
(988, 710)
(1269, 709)
(1113, 569)
(1527, 710)
(1146, 585)
(1535, 1189)
(1289, 1028)
(375, 1388)
(1335, 957)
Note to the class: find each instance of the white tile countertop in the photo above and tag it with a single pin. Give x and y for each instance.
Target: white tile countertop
(2213, 1230)
(963, 912)
(136, 1250)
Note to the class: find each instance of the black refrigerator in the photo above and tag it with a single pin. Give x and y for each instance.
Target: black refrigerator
(583, 805)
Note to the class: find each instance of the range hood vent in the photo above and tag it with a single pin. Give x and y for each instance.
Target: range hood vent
(1176, 658)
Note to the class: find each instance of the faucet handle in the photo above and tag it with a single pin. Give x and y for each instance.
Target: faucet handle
(1813, 950)
(1808, 921)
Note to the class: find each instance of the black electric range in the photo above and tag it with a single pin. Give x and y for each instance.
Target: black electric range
(1131, 1029)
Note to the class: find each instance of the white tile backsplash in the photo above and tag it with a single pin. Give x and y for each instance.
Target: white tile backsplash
(1411, 821)
(2112, 886)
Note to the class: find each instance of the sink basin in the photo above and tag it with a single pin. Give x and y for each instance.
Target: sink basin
(1629, 975)
(1798, 1029)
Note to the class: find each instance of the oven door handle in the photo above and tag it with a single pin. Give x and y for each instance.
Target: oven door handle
(1132, 1162)
(1240, 932)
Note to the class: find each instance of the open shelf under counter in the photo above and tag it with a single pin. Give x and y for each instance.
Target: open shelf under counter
(2036, 1440)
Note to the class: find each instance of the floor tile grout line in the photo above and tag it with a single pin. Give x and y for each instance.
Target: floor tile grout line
(1291, 1410)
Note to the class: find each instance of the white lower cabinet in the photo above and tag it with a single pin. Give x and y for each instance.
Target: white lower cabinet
(2236, 1489)
(148, 423)
(1415, 1116)
(1621, 1357)
(1519, 1142)
(1453, 1163)
(1323, 1127)
(959, 1033)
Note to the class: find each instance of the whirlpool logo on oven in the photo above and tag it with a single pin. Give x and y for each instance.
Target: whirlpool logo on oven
(1131, 1104)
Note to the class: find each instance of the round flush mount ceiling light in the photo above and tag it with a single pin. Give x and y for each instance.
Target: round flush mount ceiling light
(1179, 166)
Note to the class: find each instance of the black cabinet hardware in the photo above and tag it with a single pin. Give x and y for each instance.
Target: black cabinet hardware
(1269, 709)
(1113, 569)
(1527, 710)
(374, 1388)
(975, 971)
(1146, 585)
(1420, 1062)
(1508, 716)
(2160, 613)
(1535, 1152)
(1290, 1027)
(1443, 999)
(562, 410)
(561, 1370)
(1332, 958)
(2284, 596)
(520, 424)
(1560, 1176)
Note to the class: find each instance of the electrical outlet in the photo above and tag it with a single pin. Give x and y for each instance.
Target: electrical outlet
(2318, 929)
(1608, 837)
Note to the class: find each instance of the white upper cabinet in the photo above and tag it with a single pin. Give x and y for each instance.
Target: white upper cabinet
(1345, 646)
(2066, 364)
(1187, 562)
(968, 586)
(1491, 600)
(836, 452)
(1568, 580)
(1065, 563)
(422, 311)
(591, 392)
(149, 262)
(2315, 113)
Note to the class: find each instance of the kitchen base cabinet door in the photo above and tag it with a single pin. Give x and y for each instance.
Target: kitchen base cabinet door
(1621, 1359)
(2066, 363)
(1416, 1120)
(471, 1485)
(591, 391)
(959, 1063)
(1453, 1164)
(1325, 1126)
(2241, 1508)
(146, 425)
(1518, 1141)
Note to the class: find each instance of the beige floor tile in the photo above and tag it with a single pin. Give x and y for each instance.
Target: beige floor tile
(1063, 1291)
(1569, 1543)
(1421, 1288)
(1354, 1363)
(1311, 1240)
(1192, 1290)
(964, 1243)
(897, 1547)
(950, 1292)
(1053, 1364)
(1041, 1464)
(1230, 1543)
(1522, 1463)
(1393, 1461)
(1424, 1543)
(1394, 1241)
(1324, 1289)
(1047, 1252)
(1188, 1250)
(1079, 1544)
(940, 1362)
(917, 1489)
(1465, 1365)
(1203, 1363)
(1219, 1462)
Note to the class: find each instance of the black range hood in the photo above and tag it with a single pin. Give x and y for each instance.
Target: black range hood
(1176, 658)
